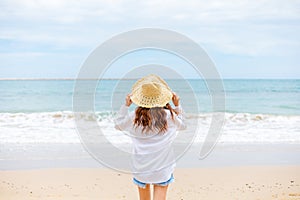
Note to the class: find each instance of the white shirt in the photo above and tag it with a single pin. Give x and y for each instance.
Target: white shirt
(153, 160)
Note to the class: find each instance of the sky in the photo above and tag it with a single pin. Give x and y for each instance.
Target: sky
(245, 39)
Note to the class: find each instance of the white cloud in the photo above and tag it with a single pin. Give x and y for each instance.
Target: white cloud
(204, 11)
(237, 27)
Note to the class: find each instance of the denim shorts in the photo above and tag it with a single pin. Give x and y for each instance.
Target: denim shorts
(143, 185)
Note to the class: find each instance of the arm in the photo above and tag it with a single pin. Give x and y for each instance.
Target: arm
(179, 120)
(124, 120)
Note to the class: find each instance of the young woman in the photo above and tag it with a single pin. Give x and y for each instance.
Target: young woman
(152, 126)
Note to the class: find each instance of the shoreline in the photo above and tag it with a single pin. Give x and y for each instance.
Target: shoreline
(247, 182)
(50, 155)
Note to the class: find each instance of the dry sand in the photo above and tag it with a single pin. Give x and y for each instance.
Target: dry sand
(251, 182)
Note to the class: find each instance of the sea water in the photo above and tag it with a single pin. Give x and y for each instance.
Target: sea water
(38, 114)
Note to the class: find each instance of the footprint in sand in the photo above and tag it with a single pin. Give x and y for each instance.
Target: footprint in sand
(294, 195)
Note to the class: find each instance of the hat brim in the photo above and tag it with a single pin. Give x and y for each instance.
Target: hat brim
(161, 100)
(156, 92)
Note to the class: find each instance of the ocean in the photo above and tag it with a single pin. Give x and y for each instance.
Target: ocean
(274, 97)
(36, 115)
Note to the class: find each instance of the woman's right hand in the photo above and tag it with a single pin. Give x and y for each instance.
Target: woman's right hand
(128, 101)
(175, 99)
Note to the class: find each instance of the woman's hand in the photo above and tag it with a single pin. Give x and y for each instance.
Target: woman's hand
(175, 99)
(128, 101)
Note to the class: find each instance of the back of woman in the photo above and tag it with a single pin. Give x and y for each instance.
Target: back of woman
(153, 127)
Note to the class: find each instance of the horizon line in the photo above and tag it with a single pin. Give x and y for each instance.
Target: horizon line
(67, 78)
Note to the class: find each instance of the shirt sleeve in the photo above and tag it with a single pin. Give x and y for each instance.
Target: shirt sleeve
(124, 120)
(179, 119)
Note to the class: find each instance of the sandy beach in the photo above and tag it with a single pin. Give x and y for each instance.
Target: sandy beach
(245, 182)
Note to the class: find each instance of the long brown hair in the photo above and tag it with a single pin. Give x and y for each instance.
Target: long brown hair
(153, 119)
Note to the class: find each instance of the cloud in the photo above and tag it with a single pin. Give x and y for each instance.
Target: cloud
(241, 28)
(221, 23)
(217, 11)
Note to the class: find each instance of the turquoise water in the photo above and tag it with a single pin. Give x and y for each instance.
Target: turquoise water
(36, 116)
(242, 96)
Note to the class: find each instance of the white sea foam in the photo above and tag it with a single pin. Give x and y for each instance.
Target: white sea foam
(60, 127)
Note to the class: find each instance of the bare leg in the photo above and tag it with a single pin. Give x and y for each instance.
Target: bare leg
(160, 192)
(145, 193)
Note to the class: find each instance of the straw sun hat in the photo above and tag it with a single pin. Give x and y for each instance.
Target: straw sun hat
(151, 91)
